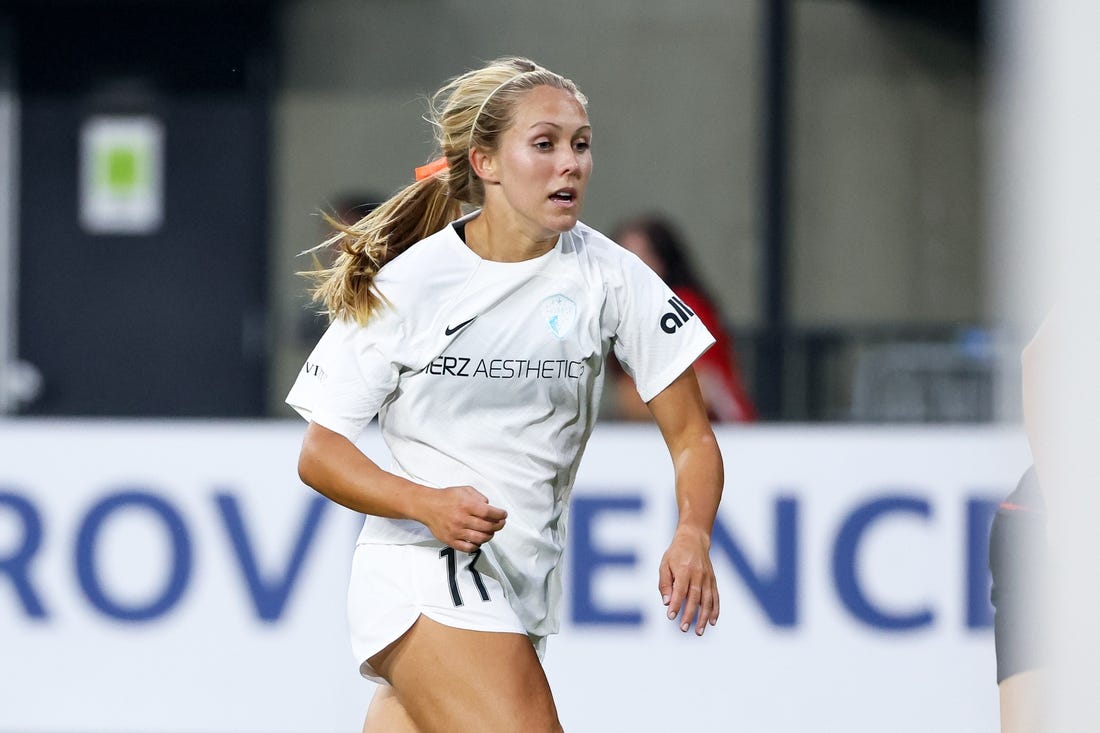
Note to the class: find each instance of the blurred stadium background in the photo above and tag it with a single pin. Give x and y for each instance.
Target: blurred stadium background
(859, 180)
(824, 160)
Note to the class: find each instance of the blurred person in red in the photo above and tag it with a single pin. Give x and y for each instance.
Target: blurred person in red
(658, 244)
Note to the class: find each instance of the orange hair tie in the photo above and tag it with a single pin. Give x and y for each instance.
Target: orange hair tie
(430, 169)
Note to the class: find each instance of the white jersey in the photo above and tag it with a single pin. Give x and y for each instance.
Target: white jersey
(489, 374)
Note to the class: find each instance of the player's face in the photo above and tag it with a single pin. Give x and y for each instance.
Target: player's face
(544, 162)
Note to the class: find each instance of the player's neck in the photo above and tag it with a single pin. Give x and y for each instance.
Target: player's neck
(504, 238)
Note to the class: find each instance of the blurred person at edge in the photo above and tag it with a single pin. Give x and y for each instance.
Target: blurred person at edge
(1042, 546)
(1019, 553)
(479, 340)
(657, 242)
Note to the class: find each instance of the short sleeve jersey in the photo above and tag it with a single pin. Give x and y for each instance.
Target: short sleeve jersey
(489, 374)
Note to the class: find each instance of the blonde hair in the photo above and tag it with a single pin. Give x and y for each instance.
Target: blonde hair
(470, 111)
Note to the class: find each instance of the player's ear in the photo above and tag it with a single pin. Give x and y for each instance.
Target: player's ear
(483, 165)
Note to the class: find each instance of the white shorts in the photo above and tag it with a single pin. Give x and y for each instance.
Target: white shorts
(393, 585)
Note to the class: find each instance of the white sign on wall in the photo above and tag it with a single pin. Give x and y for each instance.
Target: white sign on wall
(122, 174)
(176, 576)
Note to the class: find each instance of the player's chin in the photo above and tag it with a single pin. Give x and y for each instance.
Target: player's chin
(562, 221)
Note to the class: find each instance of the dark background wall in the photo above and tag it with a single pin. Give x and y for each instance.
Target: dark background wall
(171, 322)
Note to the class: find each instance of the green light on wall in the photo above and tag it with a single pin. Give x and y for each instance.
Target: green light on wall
(122, 178)
(120, 168)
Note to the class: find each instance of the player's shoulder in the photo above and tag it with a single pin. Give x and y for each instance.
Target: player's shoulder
(426, 270)
(616, 266)
(585, 239)
(599, 249)
(435, 253)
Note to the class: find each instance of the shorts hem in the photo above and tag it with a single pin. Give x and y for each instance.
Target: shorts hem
(368, 672)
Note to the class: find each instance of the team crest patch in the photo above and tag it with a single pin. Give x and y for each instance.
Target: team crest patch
(561, 314)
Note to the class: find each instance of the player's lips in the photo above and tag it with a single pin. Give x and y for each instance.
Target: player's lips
(565, 197)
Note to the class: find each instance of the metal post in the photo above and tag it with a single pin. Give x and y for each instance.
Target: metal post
(9, 185)
(771, 364)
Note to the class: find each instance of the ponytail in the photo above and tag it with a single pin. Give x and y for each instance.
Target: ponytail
(346, 289)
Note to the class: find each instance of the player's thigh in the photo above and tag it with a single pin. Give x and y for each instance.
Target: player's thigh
(452, 679)
(386, 714)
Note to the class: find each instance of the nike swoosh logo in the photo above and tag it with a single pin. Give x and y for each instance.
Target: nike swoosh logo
(451, 330)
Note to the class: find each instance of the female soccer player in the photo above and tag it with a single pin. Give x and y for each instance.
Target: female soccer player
(479, 342)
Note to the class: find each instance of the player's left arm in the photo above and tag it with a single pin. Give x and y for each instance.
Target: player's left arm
(687, 582)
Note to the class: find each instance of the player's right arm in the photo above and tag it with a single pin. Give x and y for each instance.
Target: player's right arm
(458, 516)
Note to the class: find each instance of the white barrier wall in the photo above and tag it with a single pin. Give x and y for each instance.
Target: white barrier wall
(176, 576)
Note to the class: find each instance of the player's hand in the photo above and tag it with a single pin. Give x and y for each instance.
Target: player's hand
(461, 517)
(687, 583)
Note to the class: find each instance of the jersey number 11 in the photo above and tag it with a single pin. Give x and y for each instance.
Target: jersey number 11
(452, 574)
